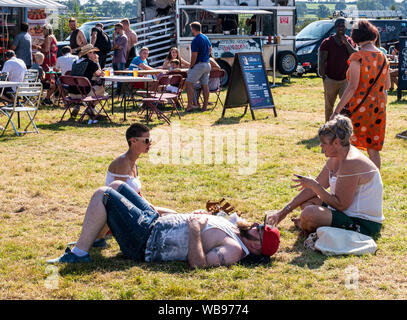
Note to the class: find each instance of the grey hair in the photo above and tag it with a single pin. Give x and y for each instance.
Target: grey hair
(339, 127)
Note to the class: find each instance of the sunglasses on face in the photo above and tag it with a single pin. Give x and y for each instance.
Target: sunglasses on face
(259, 228)
(145, 140)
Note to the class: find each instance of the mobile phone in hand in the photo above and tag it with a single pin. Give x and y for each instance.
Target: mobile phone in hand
(298, 176)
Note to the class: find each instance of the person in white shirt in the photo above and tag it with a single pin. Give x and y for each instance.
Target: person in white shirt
(16, 69)
(64, 63)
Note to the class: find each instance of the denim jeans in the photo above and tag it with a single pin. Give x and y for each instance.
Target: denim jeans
(119, 66)
(130, 218)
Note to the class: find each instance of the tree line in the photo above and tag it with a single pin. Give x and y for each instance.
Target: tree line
(108, 9)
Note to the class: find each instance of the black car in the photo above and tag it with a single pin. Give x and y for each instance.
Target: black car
(309, 39)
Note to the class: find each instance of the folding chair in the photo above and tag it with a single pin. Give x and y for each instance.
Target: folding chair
(175, 80)
(3, 77)
(27, 99)
(69, 102)
(150, 104)
(184, 80)
(219, 73)
(31, 75)
(91, 101)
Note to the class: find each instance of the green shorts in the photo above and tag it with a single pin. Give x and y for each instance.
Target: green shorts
(343, 221)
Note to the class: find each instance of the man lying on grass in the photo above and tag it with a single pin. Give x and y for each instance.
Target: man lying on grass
(142, 234)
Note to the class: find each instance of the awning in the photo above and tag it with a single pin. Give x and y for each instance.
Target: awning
(31, 4)
(238, 11)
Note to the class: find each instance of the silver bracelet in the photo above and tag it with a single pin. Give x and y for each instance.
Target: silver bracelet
(288, 207)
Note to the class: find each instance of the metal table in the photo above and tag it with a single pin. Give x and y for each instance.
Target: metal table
(126, 79)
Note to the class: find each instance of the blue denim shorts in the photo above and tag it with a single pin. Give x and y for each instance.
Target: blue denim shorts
(131, 220)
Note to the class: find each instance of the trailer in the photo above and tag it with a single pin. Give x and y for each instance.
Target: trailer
(233, 26)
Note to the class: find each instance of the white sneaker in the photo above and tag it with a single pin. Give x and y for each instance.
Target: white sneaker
(90, 121)
(95, 121)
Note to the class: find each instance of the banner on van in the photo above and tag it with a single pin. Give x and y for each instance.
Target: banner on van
(227, 48)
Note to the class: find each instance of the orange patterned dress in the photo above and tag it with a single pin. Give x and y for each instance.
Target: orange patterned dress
(369, 121)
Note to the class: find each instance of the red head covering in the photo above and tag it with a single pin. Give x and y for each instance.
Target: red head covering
(271, 241)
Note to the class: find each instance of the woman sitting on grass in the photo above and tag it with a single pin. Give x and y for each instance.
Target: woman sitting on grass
(355, 201)
(125, 168)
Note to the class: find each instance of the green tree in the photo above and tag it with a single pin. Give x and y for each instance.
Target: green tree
(369, 5)
(323, 11)
(340, 6)
(301, 9)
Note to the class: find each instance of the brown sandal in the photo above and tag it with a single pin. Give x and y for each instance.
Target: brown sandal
(215, 206)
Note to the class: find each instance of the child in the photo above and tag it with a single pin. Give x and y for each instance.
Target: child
(174, 65)
(38, 61)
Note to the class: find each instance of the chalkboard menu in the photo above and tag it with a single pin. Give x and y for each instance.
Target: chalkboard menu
(248, 84)
(402, 81)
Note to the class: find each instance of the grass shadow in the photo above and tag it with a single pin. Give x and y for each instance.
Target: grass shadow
(228, 121)
(308, 258)
(310, 143)
(121, 263)
(398, 102)
(59, 126)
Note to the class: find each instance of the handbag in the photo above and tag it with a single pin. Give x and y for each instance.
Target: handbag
(346, 111)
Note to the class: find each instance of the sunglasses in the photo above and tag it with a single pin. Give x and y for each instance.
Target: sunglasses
(145, 140)
(259, 228)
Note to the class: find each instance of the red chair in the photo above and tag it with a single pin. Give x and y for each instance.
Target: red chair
(184, 79)
(93, 103)
(175, 80)
(69, 102)
(218, 73)
(158, 96)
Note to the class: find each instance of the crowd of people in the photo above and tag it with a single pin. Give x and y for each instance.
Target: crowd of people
(355, 68)
(85, 59)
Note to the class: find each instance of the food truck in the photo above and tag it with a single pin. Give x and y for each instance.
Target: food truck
(266, 26)
(36, 13)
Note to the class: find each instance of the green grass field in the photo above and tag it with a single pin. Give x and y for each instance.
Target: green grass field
(46, 181)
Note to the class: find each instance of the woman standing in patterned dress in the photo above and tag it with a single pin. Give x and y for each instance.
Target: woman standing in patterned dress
(49, 48)
(368, 115)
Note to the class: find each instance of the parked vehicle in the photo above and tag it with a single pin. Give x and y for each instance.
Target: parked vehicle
(87, 30)
(268, 20)
(309, 39)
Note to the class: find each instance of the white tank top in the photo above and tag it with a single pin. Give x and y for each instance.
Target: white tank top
(133, 182)
(368, 199)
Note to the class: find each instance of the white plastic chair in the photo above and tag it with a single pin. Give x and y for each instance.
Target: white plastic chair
(3, 77)
(27, 99)
(31, 75)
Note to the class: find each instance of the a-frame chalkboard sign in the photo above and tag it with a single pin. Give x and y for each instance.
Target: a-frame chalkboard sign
(248, 84)
(402, 78)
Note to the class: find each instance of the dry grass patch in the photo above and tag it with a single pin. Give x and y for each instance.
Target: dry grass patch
(48, 179)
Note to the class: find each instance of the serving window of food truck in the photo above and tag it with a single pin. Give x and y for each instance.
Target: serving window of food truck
(242, 26)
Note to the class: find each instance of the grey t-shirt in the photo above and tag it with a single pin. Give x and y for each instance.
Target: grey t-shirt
(23, 41)
(119, 55)
(170, 236)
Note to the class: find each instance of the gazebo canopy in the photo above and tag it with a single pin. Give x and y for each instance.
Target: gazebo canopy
(32, 4)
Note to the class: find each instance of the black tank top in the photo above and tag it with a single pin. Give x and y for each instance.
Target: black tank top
(72, 39)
